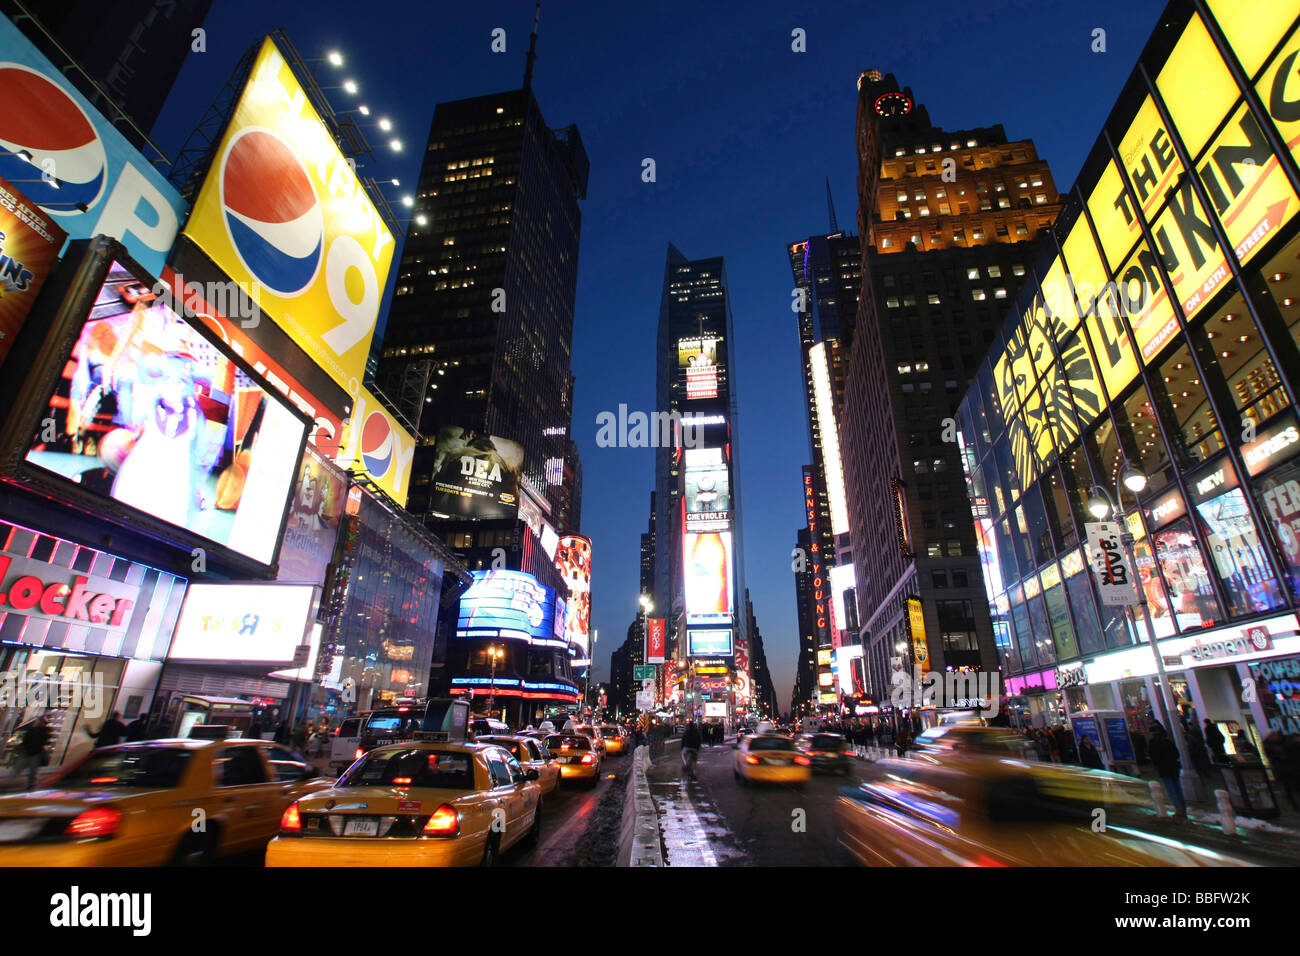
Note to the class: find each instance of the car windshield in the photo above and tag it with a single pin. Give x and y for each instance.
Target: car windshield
(152, 767)
(568, 742)
(770, 743)
(518, 750)
(826, 742)
(413, 767)
(389, 723)
(610, 732)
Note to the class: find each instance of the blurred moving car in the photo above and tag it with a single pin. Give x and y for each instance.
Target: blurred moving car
(532, 755)
(770, 758)
(345, 745)
(828, 752)
(577, 755)
(136, 804)
(961, 806)
(480, 726)
(415, 804)
(616, 741)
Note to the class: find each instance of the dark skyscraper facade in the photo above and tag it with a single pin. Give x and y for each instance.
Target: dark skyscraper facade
(948, 222)
(481, 327)
(699, 568)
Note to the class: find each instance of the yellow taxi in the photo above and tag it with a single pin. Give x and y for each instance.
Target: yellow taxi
(418, 803)
(592, 731)
(155, 803)
(966, 807)
(532, 755)
(770, 758)
(577, 755)
(615, 740)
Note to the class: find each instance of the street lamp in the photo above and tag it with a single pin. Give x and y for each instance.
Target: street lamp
(647, 606)
(496, 654)
(1101, 505)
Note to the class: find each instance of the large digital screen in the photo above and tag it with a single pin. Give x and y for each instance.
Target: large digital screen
(151, 413)
(708, 487)
(475, 475)
(709, 590)
(573, 559)
(509, 604)
(245, 623)
(709, 643)
(697, 359)
(313, 525)
(29, 248)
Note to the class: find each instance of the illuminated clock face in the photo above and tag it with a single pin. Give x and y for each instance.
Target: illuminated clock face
(893, 104)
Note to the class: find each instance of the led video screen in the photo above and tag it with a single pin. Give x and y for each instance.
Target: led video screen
(150, 413)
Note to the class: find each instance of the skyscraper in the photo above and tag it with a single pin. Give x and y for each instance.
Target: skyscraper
(698, 550)
(948, 222)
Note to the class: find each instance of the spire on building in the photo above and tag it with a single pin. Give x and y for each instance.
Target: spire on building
(532, 49)
(830, 206)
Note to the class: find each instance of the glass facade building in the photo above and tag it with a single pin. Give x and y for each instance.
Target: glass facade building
(1160, 331)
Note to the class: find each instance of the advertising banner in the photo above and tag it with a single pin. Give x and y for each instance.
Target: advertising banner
(741, 674)
(29, 247)
(709, 589)
(1278, 685)
(282, 211)
(509, 604)
(655, 642)
(375, 443)
(710, 643)
(475, 475)
(573, 560)
(73, 163)
(314, 514)
(1109, 563)
(708, 489)
(244, 623)
(697, 361)
(920, 647)
(151, 414)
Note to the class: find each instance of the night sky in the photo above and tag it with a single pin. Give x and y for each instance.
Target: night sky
(744, 132)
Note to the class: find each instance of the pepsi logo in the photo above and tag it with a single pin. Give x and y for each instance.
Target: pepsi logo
(272, 215)
(68, 165)
(376, 444)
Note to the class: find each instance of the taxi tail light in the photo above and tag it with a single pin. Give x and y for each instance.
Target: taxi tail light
(751, 759)
(587, 758)
(359, 754)
(99, 822)
(291, 822)
(444, 822)
(802, 761)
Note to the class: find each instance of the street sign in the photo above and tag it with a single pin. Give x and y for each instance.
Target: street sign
(1110, 563)
(643, 672)
(645, 700)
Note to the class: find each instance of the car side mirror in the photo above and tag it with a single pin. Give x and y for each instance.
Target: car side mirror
(531, 775)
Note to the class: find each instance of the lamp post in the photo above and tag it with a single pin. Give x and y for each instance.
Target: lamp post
(496, 654)
(1101, 505)
(647, 606)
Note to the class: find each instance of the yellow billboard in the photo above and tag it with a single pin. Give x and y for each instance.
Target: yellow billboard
(283, 213)
(916, 621)
(373, 442)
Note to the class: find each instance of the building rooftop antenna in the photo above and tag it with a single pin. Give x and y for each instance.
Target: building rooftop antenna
(532, 49)
(830, 206)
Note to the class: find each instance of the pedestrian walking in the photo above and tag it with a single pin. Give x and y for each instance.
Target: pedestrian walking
(1164, 754)
(1088, 754)
(112, 731)
(137, 730)
(1214, 740)
(36, 737)
(690, 748)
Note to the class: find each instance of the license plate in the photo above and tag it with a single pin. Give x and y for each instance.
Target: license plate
(11, 830)
(361, 828)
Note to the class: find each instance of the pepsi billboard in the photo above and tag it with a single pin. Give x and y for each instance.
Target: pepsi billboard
(71, 161)
(283, 213)
(504, 604)
(374, 442)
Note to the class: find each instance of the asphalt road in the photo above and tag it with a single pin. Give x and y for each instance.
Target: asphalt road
(566, 816)
(714, 821)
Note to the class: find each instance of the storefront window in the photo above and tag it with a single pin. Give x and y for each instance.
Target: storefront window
(1278, 494)
(1035, 526)
(1043, 642)
(1190, 590)
(1285, 291)
(1157, 601)
(1237, 550)
(1198, 430)
(1243, 361)
(1008, 654)
(1058, 613)
(992, 487)
(1007, 476)
(1146, 448)
(1059, 512)
(1082, 609)
(1024, 633)
(1140, 715)
(1006, 550)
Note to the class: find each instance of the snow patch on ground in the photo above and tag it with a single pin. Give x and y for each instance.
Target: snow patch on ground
(693, 831)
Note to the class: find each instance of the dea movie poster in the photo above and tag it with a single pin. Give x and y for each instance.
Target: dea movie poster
(475, 475)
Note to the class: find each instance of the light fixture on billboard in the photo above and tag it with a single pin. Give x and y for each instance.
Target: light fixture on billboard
(395, 145)
(1134, 480)
(420, 221)
(350, 86)
(1099, 505)
(408, 201)
(385, 124)
(335, 58)
(364, 110)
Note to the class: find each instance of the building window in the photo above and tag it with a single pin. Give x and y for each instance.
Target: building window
(959, 578)
(978, 295)
(954, 548)
(1018, 269)
(939, 579)
(972, 273)
(999, 293)
(934, 298)
(886, 243)
(995, 272)
(891, 302)
(934, 550)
